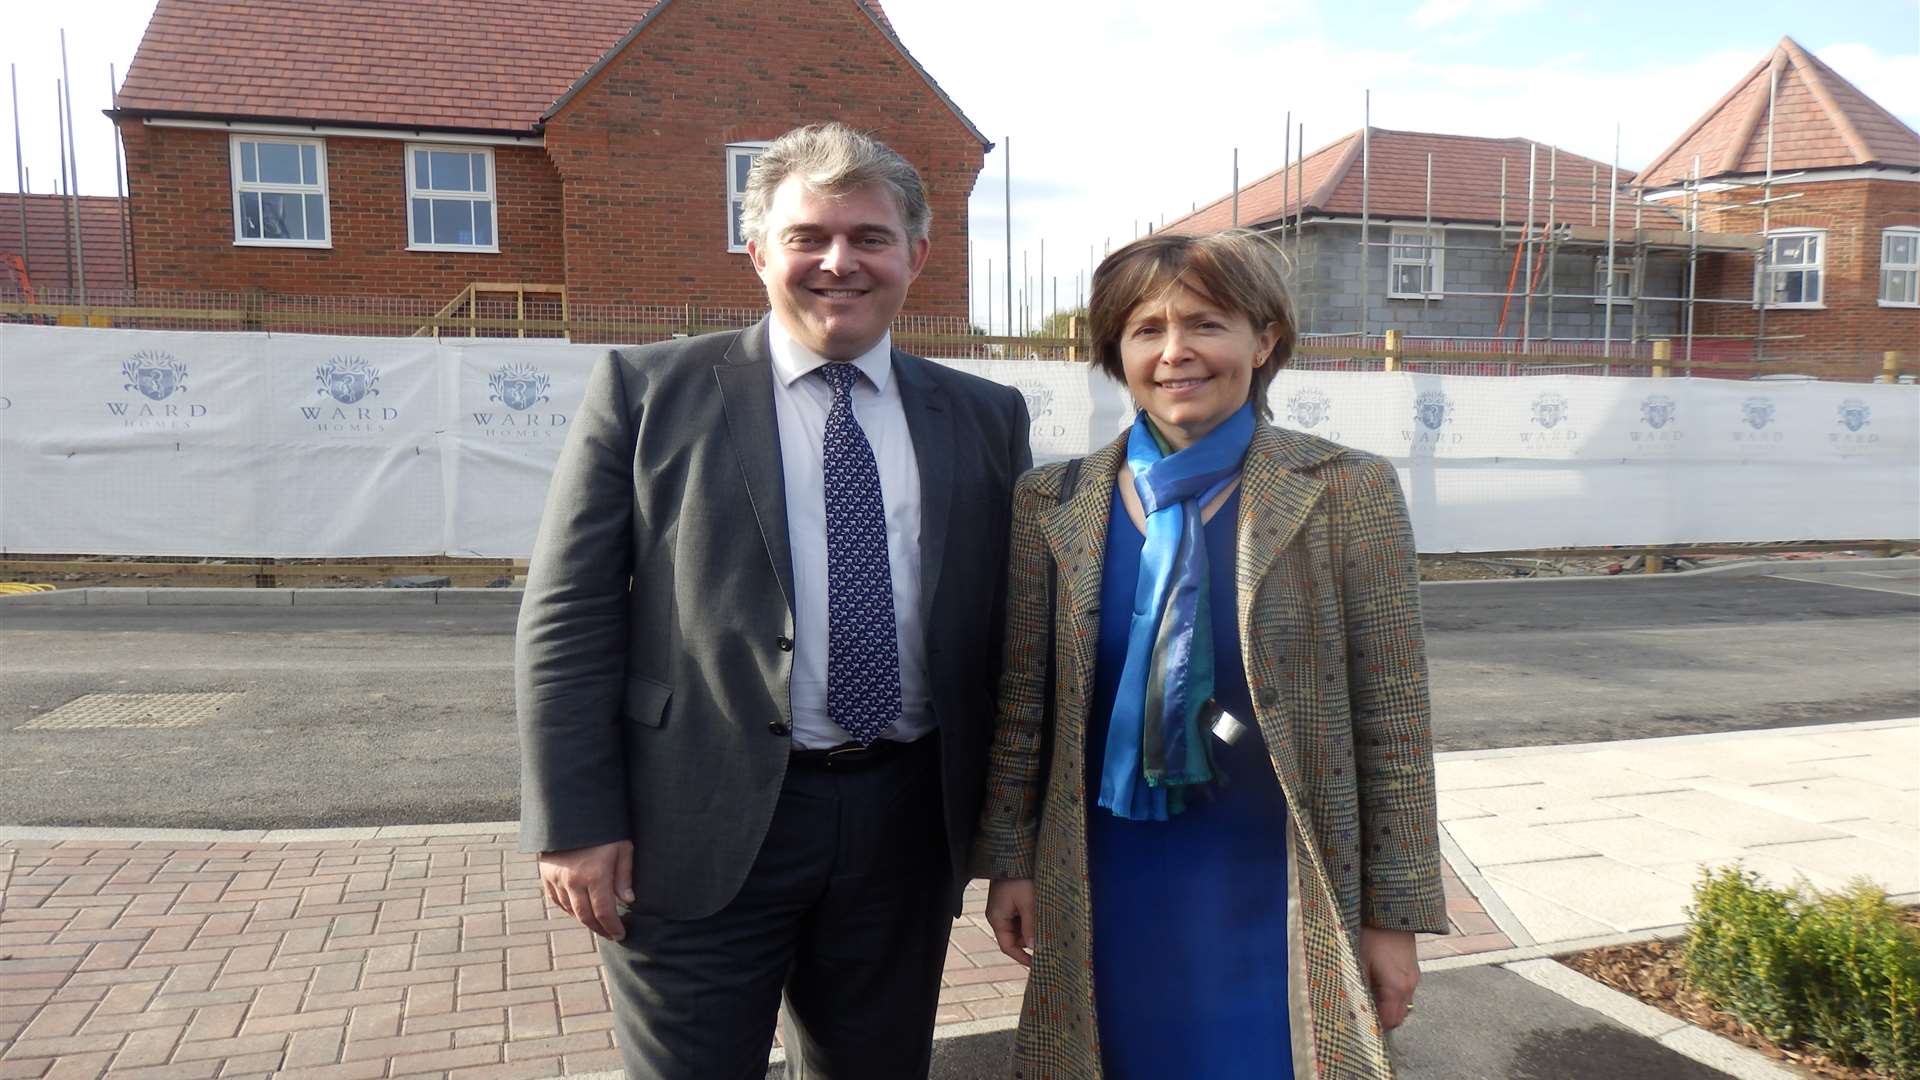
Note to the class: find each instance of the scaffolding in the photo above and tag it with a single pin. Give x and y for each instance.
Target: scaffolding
(1626, 229)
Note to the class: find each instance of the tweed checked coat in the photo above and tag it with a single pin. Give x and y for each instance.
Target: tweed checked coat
(1335, 658)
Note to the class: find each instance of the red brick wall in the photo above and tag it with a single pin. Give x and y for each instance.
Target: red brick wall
(1852, 326)
(180, 187)
(642, 148)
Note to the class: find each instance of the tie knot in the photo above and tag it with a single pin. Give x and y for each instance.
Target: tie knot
(840, 375)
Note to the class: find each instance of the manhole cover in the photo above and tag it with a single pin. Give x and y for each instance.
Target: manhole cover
(131, 711)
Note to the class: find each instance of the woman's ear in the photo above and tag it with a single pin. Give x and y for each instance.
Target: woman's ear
(1264, 342)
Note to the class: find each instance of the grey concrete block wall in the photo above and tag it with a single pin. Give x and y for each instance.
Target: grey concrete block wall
(1328, 289)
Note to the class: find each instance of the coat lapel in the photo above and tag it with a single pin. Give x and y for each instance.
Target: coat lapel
(1275, 501)
(745, 375)
(930, 424)
(1076, 531)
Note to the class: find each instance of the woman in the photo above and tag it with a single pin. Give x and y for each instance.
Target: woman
(1195, 902)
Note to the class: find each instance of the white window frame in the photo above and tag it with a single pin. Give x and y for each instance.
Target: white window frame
(734, 191)
(1911, 269)
(242, 187)
(1629, 267)
(1763, 282)
(1434, 245)
(491, 196)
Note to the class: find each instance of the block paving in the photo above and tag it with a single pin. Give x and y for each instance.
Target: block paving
(399, 956)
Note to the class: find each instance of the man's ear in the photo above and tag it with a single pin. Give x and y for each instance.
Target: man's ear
(758, 257)
(918, 256)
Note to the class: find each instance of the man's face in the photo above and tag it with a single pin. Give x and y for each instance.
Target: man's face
(836, 267)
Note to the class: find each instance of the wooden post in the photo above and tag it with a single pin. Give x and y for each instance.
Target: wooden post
(1653, 560)
(1890, 366)
(1392, 362)
(1662, 358)
(1076, 328)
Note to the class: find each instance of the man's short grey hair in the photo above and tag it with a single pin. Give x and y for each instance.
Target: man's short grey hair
(833, 159)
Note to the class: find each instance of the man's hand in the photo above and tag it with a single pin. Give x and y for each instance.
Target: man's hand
(584, 883)
(1392, 968)
(1010, 913)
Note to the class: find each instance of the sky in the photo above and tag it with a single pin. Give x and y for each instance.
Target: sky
(1123, 113)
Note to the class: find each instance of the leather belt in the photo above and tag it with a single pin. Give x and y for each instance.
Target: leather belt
(849, 757)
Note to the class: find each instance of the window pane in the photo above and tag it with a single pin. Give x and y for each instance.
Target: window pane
(450, 172)
(423, 221)
(250, 215)
(249, 172)
(1810, 286)
(1406, 279)
(742, 163)
(479, 162)
(1900, 248)
(316, 217)
(739, 239)
(452, 221)
(483, 224)
(420, 170)
(281, 217)
(1812, 249)
(279, 163)
(309, 165)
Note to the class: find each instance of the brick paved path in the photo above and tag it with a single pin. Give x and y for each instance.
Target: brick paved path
(410, 952)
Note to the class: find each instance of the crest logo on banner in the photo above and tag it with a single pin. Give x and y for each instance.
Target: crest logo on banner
(1432, 410)
(1041, 423)
(347, 379)
(1308, 407)
(1656, 411)
(1757, 412)
(1548, 410)
(1854, 415)
(155, 374)
(519, 386)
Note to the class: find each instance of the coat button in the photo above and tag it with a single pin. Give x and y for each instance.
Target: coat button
(785, 644)
(1268, 695)
(780, 727)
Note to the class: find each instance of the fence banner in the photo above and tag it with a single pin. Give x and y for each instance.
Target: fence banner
(256, 445)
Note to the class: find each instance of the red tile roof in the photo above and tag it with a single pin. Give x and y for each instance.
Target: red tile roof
(469, 65)
(1820, 121)
(48, 241)
(1466, 183)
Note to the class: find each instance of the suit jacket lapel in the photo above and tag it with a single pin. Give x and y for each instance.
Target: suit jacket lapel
(930, 424)
(745, 375)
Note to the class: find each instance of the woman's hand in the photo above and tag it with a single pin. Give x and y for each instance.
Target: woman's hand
(1391, 965)
(1010, 913)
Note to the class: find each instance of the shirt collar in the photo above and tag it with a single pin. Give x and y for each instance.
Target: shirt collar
(791, 360)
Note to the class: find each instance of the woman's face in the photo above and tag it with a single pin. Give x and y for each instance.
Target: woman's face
(1189, 362)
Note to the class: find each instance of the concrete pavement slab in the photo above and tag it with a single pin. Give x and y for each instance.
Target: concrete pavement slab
(1774, 872)
(1624, 897)
(1738, 823)
(1889, 867)
(1903, 837)
(1540, 804)
(1547, 921)
(1827, 799)
(1495, 841)
(1639, 841)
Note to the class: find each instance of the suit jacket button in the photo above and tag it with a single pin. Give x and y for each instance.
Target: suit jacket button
(780, 727)
(785, 643)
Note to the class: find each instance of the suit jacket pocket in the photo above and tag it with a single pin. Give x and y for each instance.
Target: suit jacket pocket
(647, 700)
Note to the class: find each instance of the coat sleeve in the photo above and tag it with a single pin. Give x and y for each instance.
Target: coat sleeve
(1387, 684)
(570, 647)
(1010, 818)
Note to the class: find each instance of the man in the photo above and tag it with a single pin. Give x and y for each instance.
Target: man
(758, 647)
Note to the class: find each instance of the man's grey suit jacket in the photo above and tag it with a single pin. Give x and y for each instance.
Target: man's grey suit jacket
(654, 647)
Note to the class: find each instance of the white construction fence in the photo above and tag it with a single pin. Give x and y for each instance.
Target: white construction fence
(253, 445)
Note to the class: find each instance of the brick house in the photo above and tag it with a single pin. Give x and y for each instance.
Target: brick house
(1841, 219)
(1445, 252)
(363, 148)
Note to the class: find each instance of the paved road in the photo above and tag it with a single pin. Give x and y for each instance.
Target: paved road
(373, 716)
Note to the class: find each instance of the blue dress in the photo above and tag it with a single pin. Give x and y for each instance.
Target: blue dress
(1190, 914)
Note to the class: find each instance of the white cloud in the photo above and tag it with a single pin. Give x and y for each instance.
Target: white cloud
(1435, 12)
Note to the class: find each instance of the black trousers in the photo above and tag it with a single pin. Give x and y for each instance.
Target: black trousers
(844, 912)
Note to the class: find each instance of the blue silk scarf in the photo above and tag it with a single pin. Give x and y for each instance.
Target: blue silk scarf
(1156, 747)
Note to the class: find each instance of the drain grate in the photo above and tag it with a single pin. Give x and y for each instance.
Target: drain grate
(131, 711)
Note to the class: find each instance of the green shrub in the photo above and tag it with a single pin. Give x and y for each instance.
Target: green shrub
(1836, 971)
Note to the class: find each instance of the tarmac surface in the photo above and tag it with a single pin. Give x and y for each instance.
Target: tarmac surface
(371, 715)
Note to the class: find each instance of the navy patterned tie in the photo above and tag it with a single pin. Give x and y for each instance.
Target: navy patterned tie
(863, 651)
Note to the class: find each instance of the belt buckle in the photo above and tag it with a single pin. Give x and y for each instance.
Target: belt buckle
(850, 754)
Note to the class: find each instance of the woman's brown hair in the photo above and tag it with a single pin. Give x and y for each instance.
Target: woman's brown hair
(1238, 270)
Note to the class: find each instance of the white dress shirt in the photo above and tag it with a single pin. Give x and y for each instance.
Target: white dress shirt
(800, 404)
